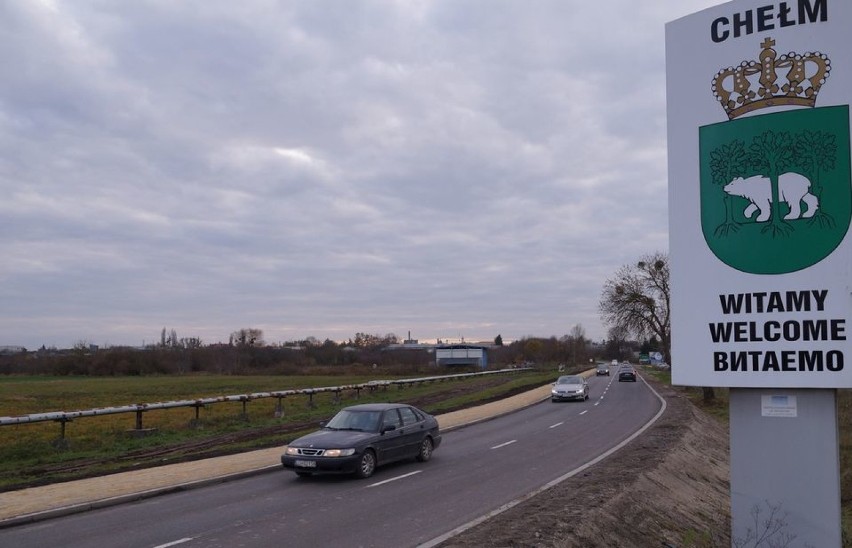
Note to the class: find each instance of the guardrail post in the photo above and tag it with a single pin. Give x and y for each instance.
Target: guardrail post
(139, 420)
(194, 423)
(311, 400)
(245, 412)
(336, 399)
(61, 443)
(279, 408)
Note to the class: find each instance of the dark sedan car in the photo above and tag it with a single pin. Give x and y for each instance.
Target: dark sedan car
(602, 369)
(360, 438)
(626, 373)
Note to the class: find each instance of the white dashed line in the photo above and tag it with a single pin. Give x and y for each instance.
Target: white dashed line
(555, 425)
(394, 479)
(584, 412)
(504, 444)
(174, 542)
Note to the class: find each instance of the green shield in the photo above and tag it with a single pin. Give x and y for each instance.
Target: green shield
(775, 189)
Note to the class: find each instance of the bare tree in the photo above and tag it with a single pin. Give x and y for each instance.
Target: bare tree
(616, 339)
(637, 300)
(577, 340)
(247, 337)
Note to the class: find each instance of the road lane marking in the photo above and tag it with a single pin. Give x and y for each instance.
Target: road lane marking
(394, 479)
(174, 542)
(504, 444)
(557, 424)
(584, 412)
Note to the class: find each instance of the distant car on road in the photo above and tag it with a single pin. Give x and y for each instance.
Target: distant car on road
(626, 373)
(570, 387)
(602, 369)
(361, 437)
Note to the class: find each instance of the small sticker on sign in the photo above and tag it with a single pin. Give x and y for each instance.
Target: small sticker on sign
(778, 406)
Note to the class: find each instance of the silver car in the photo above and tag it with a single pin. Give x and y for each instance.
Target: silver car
(570, 387)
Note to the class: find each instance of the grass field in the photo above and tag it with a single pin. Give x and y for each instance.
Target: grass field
(33, 453)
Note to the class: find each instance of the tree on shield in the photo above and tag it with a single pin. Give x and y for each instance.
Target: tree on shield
(771, 154)
(816, 152)
(726, 163)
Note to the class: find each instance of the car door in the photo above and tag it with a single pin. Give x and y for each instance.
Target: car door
(413, 427)
(391, 442)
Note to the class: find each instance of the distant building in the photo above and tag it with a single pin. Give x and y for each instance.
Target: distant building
(461, 354)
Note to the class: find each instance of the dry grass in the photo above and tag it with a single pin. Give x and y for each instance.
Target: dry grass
(719, 409)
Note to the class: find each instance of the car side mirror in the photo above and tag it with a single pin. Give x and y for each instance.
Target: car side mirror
(388, 428)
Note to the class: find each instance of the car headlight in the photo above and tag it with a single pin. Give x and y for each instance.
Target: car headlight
(292, 451)
(338, 452)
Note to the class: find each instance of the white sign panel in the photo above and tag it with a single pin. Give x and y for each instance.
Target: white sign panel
(760, 194)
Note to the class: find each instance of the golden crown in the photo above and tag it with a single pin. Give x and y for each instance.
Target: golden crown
(755, 84)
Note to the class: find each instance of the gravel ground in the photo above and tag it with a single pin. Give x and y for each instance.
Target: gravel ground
(667, 488)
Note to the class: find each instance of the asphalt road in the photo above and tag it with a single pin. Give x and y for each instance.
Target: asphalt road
(477, 470)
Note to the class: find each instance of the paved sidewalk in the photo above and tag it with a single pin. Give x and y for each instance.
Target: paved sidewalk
(37, 503)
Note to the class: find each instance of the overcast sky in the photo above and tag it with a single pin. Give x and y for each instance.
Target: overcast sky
(313, 168)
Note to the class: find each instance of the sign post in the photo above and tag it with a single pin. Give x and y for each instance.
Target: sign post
(760, 202)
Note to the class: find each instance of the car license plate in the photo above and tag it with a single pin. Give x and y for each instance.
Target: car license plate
(306, 463)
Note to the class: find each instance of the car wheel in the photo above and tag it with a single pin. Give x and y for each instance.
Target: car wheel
(425, 449)
(366, 464)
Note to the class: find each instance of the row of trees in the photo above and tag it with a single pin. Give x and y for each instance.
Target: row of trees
(246, 353)
(245, 356)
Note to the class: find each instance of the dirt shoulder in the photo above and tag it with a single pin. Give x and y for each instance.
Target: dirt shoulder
(669, 487)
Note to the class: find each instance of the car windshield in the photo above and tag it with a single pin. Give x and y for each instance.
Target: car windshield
(347, 419)
(573, 379)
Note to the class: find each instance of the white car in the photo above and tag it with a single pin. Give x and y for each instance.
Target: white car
(570, 387)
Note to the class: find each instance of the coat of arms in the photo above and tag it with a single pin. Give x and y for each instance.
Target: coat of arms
(775, 189)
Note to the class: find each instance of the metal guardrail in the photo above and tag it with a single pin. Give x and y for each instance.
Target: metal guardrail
(64, 417)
